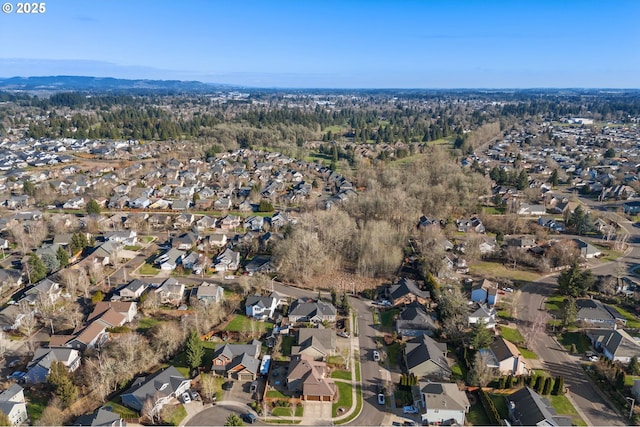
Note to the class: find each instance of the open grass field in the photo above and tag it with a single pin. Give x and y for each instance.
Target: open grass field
(148, 270)
(240, 323)
(341, 375)
(632, 321)
(554, 303)
(499, 271)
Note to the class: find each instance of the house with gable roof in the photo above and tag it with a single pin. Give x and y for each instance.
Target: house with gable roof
(405, 291)
(309, 379)
(13, 405)
(441, 403)
(159, 388)
(260, 307)
(239, 361)
(104, 416)
(425, 357)
(318, 343)
(485, 291)
(303, 310)
(504, 356)
(414, 320)
(528, 408)
(43, 357)
(617, 345)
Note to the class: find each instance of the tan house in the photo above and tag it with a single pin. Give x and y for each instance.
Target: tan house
(506, 358)
(308, 379)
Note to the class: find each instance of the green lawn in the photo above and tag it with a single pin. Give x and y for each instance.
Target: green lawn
(456, 371)
(276, 394)
(511, 334)
(578, 338)
(387, 317)
(336, 360)
(148, 270)
(477, 415)
(501, 405)
(341, 375)
(147, 323)
(173, 415)
(180, 359)
(498, 271)
(358, 373)
(554, 303)
(563, 407)
(36, 404)
(527, 354)
(376, 317)
(132, 248)
(242, 323)
(628, 380)
(393, 354)
(120, 409)
(632, 321)
(345, 398)
(287, 343)
(146, 239)
(492, 210)
(286, 412)
(358, 409)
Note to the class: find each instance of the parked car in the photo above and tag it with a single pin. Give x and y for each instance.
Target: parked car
(249, 418)
(254, 387)
(343, 334)
(194, 395)
(185, 397)
(594, 358)
(16, 375)
(409, 423)
(228, 385)
(376, 356)
(13, 363)
(381, 399)
(410, 410)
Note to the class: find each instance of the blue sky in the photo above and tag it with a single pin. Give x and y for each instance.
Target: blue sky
(342, 44)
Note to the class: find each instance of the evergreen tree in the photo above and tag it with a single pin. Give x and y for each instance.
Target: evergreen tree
(63, 257)
(522, 181)
(78, 242)
(195, 349)
(539, 384)
(569, 312)
(29, 188)
(480, 336)
(51, 262)
(59, 380)
(558, 388)
(93, 208)
(37, 268)
(575, 282)
(233, 420)
(548, 386)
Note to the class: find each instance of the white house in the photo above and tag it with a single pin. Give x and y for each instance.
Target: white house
(260, 307)
(12, 403)
(442, 402)
(227, 261)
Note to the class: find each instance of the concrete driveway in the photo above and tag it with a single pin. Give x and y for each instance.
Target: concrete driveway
(317, 413)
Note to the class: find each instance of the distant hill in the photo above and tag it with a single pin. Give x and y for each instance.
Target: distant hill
(58, 83)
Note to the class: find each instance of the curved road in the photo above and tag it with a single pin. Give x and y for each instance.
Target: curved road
(588, 399)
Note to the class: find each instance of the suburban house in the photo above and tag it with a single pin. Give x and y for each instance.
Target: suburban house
(631, 208)
(260, 307)
(318, 343)
(483, 313)
(303, 310)
(587, 250)
(132, 290)
(414, 321)
(129, 238)
(442, 403)
(170, 259)
(13, 405)
(206, 223)
(12, 316)
(159, 388)
(423, 356)
(635, 389)
(471, 224)
(260, 264)
(170, 292)
(532, 210)
(102, 417)
(228, 260)
(38, 368)
(485, 291)
(218, 239)
(617, 345)
(239, 361)
(207, 293)
(504, 356)
(46, 289)
(309, 379)
(528, 408)
(184, 242)
(405, 291)
(595, 314)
